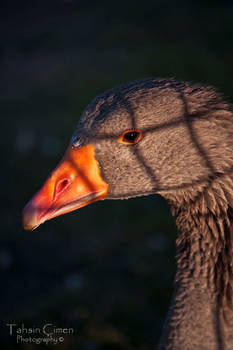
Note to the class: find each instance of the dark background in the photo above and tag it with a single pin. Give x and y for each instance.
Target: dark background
(107, 269)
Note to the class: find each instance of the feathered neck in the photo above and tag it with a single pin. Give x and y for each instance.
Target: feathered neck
(203, 295)
(205, 241)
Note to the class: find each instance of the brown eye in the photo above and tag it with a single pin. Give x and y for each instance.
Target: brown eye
(130, 137)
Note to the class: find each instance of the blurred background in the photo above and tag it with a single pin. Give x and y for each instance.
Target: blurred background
(106, 270)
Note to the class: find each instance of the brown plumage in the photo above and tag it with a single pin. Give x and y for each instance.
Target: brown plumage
(186, 155)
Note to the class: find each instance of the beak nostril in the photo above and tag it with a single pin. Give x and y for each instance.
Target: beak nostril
(60, 187)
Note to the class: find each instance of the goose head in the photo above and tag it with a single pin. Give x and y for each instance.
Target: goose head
(147, 136)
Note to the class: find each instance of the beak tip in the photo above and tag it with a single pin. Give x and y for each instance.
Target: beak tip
(30, 217)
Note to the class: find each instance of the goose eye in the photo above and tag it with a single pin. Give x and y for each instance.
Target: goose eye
(130, 137)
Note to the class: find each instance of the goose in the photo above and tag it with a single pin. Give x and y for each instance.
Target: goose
(173, 138)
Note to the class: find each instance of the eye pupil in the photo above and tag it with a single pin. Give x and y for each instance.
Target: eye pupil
(131, 136)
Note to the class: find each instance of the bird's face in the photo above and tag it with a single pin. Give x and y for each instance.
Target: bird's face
(133, 140)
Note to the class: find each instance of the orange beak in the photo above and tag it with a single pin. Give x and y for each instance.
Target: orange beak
(74, 183)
